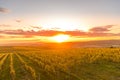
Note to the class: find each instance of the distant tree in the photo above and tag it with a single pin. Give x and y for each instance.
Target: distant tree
(111, 47)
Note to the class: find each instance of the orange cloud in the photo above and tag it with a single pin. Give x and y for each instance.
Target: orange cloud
(93, 32)
(1, 36)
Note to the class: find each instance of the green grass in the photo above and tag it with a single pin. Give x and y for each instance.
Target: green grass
(62, 64)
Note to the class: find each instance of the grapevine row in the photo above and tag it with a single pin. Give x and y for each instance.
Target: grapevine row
(12, 71)
(27, 67)
(2, 61)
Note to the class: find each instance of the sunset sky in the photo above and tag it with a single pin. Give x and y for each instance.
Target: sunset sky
(42, 20)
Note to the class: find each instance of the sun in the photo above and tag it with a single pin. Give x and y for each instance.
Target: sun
(60, 38)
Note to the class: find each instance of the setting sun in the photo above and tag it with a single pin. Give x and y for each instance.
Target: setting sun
(60, 38)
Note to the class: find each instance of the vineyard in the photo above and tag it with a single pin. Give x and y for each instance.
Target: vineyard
(36, 63)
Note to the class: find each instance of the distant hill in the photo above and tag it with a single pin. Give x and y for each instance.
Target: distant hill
(101, 43)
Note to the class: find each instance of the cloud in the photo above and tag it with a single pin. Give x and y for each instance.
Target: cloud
(4, 10)
(32, 33)
(42, 33)
(101, 29)
(1, 36)
(76, 33)
(37, 27)
(5, 25)
(93, 32)
(18, 20)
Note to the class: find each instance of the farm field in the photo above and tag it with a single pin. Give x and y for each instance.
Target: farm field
(36, 63)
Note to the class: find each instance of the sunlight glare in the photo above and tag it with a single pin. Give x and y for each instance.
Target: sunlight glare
(60, 38)
(65, 25)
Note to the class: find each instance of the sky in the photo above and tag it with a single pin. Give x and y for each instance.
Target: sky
(39, 20)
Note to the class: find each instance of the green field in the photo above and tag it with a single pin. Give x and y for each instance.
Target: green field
(36, 63)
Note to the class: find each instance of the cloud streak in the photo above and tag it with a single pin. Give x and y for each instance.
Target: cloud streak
(5, 25)
(52, 33)
(93, 32)
(4, 10)
(18, 20)
(101, 29)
